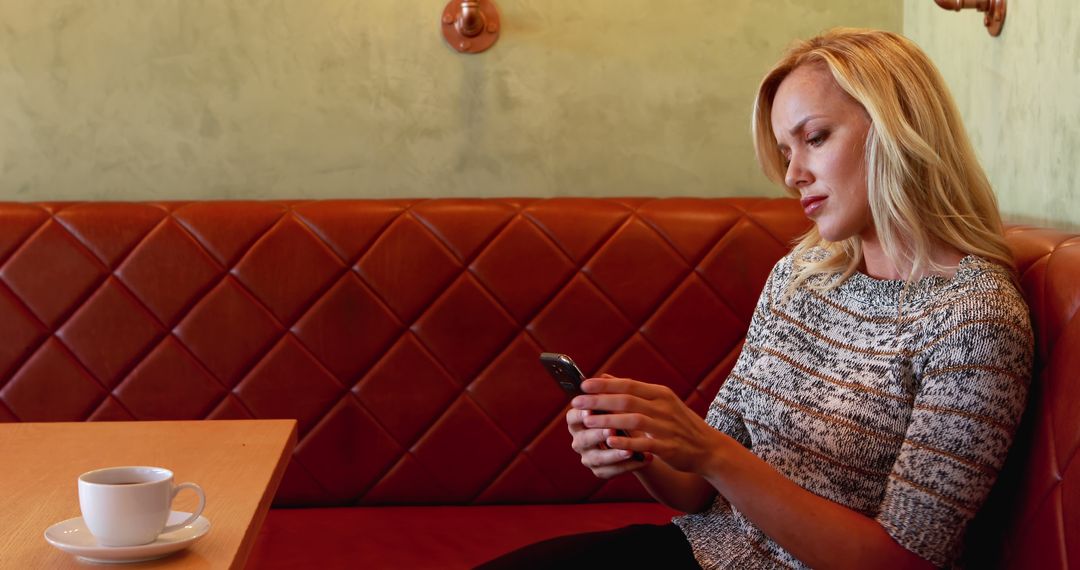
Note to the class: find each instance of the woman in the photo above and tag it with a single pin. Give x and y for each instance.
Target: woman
(887, 362)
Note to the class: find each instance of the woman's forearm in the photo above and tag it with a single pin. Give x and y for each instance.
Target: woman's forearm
(686, 492)
(819, 532)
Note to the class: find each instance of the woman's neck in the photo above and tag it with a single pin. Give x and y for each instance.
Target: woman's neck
(877, 264)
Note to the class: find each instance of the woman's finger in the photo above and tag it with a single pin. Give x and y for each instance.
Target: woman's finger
(597, 458)
(616, 403)
(607, 384)
(587, 439)
(627, 466)
(634, 444)
(625, 422)
(575, 419)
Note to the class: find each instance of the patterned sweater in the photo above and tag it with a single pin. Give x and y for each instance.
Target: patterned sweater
(898, 404)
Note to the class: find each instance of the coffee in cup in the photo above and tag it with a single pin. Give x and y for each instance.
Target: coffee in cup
(127, 506)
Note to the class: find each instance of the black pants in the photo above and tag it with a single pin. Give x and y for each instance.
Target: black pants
(635, 546)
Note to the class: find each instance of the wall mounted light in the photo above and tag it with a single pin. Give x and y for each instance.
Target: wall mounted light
(994, 11)
(470, 26)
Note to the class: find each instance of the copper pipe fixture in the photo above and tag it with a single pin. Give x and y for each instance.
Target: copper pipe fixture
(470, 26)
(994, 11)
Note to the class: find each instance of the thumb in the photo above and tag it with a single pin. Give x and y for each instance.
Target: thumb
(606, 375)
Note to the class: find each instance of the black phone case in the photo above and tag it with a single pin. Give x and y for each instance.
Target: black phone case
(564, 371)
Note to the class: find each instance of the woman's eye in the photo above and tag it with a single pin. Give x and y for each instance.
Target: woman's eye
(817, 138)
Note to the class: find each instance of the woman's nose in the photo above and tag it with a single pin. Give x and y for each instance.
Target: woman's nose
(798, 175)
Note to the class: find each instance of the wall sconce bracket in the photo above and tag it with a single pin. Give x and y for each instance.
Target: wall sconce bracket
(993, 10)
(995, 17)
(470, 26)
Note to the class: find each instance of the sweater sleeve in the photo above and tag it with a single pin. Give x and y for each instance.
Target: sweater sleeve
(972, 378)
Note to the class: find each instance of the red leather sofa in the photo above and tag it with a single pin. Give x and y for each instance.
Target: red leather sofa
(403, 336)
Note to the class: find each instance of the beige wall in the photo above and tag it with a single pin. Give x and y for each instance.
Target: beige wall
(185, 99)
(1020, 97)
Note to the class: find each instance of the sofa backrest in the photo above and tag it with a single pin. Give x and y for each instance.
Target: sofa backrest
(1032, 518)
(402, 335)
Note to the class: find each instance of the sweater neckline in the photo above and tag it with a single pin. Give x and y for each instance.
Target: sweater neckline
(892, 291)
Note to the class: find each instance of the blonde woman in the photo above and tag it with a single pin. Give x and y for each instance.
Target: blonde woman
(887, 362)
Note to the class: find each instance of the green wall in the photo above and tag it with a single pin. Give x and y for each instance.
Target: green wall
(196, 99)
(1019, 94)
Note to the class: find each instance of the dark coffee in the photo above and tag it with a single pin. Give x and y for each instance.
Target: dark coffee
(127, 483)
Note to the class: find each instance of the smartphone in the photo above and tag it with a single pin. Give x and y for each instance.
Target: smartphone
(563, 369)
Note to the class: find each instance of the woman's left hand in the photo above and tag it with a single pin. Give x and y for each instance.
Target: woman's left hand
(671, 430)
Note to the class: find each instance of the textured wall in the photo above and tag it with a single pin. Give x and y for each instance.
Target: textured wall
(1020, 97)
(137, 99)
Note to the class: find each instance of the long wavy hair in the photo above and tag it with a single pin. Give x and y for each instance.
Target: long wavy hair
(926, 188)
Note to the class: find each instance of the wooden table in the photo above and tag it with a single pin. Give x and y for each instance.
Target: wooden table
(239, 463)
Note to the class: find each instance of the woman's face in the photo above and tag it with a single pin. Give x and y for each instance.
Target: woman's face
(821, 131)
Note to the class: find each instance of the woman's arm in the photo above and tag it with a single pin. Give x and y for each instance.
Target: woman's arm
(816, 530)
(686, 492)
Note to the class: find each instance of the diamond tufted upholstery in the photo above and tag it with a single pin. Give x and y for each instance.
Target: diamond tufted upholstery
(403, 337)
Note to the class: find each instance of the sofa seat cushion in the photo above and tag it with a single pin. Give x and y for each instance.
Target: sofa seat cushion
(441, 537)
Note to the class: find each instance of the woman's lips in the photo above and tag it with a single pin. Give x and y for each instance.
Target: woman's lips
(812, 204)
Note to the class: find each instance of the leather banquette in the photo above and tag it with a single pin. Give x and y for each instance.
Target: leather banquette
(403, 336)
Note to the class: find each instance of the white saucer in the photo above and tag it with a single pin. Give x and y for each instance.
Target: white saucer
(72, 536)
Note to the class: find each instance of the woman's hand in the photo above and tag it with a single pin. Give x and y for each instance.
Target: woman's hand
(657, 422)
(595, 454)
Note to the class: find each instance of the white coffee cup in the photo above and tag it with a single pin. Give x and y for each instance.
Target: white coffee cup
(126, 506)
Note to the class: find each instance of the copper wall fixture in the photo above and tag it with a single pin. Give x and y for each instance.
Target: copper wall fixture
(470, 26)
(994, 11)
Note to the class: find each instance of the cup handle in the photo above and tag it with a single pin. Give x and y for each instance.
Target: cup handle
(194, 515)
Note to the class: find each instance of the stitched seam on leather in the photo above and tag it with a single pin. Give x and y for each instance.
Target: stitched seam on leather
(482, 246)
(73, 308)
(666, 293)
(229, 264)
(199, 294)
(434, 417)
(586, 256)
(246, 369)
(543, 303)
(123, 256)
(766, 231)
(16, 247)
(17, 364)
(9, 410)
(160, 335)
(708, 285)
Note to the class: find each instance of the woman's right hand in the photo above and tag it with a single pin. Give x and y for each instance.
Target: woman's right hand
(604, 462)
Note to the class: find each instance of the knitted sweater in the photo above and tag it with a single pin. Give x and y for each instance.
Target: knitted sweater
(898, 404)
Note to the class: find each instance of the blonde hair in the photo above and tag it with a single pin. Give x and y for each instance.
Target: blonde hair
(925, 186)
